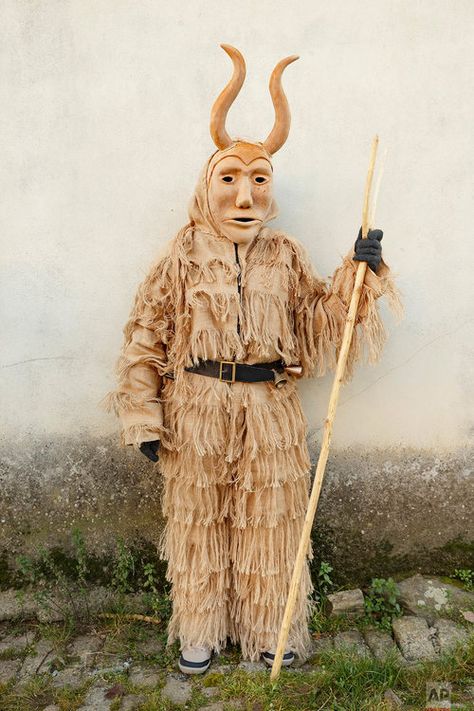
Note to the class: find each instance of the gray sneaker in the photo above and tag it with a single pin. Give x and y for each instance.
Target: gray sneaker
(269, 657)
(195, 660)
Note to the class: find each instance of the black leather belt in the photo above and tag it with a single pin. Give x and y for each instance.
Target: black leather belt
(229, 371)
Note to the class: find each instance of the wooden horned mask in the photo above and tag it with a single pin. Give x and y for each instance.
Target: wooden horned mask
(238, 176)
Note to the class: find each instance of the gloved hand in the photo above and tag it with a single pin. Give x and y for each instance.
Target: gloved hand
(369, 250)
(150, 449)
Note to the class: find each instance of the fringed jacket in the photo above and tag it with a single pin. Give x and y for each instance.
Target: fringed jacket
(203, 300)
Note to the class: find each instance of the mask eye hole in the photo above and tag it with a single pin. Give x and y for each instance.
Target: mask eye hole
(227, 179)
(260, 179)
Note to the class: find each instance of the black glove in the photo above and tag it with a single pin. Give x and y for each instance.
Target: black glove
(150, 449)
(369, 250)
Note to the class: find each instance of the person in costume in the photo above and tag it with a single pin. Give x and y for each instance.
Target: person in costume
(228, 319)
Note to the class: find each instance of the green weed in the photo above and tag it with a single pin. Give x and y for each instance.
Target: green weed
(466, 576)
(381, 602)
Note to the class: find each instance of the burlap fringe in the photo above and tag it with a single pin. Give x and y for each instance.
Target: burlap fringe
(268, 325)
(237, 476)
(136, 434)
(299, 316)
(196, 500)
(257, 611)
(215, 344)
(211, 271)
(118, 401)
(239, 578)
(234, 461)
(321, 312)
(207, 417)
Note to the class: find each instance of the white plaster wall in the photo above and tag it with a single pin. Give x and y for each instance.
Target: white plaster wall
(104, 128)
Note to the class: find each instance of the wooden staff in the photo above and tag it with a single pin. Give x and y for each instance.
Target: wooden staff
(328, 425)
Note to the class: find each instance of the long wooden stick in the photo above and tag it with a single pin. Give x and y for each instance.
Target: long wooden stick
(328, 425)
(375, 192)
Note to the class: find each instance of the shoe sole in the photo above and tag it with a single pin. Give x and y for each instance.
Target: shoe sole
(288, 658)
(193, 667)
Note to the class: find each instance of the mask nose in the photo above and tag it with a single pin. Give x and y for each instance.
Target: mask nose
(244, 194)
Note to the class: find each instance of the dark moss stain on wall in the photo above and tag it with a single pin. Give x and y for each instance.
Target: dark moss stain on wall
(381, 511)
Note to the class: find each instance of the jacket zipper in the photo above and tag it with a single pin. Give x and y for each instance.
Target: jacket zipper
(239, 282)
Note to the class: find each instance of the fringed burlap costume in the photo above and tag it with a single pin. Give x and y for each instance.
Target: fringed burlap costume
(234, 457)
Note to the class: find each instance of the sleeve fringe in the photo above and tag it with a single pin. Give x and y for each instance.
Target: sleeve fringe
(135, 435)
(117, 402)
(321, 313)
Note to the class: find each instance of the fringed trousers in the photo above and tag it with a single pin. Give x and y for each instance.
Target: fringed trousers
(235, 469)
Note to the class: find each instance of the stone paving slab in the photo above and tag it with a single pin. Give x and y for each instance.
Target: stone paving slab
(37, 662)
(252, 667)
(16, 644)
(429, 597)
(222, 668)
(151, 647)
(322, 644)
(346, 602)
(70, 676)
(95, 699)
(109, 663)
(413, 637)
(144, 677)
(449, 634)
(85, 647)
(8, 670)
(352, 639)
(210, 691)
(177, 691)
(132, 702)
(381, 644)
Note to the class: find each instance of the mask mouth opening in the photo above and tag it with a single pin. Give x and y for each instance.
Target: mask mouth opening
(244, 219)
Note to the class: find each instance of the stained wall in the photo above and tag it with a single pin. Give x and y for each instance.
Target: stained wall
(104, 128)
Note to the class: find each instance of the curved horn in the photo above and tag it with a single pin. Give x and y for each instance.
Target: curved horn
(281, 127)
(225, 99)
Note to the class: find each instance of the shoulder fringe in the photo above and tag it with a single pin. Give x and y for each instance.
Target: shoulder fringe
(153, 306)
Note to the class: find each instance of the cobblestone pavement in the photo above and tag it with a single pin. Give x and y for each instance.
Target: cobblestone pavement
(108, 671)
(88, 662)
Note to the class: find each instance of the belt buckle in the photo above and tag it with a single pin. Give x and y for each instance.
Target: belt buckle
(227, 362)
